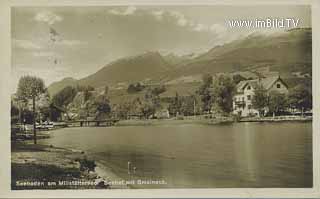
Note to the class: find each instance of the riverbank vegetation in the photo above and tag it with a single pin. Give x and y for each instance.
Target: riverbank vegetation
(211, 98)
(298, 99)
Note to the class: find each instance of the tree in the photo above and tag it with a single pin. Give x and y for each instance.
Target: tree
(121, 110)
(86, 95)
(204, 92)
(106, 90)
(158, 90)
(175, 105)
(147, 109)
(102, 106)
(63, 98)
(90, 88)
(134, 88)
(30, 87)
(188, 106)
(260, 99)
(277, 102)
(223, 91)
(54, 112)
(207, 79)
(237, 78)
(152, 102)
(15, 113)
(300, 98)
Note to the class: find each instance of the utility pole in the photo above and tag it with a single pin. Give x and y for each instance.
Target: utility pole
(194, 107)
(34, 120)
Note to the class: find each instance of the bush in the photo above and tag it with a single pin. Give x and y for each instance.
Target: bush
(134, 88)
(86, 165)
(158, 90)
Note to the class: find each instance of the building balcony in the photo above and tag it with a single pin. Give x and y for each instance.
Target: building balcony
(240, 103)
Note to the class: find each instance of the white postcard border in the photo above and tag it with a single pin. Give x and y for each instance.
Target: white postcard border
(5, 63)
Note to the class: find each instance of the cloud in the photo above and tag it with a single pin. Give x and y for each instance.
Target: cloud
(158, 14)
(200, 27)
(44, 54)
(48, 75)
(218, 28)
(47, 17)
(25, 44)
(128, 11)
(181, 20)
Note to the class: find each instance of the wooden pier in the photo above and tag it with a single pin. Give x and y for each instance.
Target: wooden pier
(92, 123)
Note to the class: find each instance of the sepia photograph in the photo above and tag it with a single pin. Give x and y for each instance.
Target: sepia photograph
(161, 97)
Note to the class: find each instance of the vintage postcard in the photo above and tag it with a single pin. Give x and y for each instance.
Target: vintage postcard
(153, 98)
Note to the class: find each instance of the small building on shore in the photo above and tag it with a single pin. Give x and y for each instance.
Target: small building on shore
(162, 114)
(242, 101)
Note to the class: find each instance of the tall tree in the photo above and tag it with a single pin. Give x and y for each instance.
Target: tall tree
(237, 78)
(147, 109)
(175, 105)
(277, 102)
(63, 98)
(204, 92)
(260, 99)
(188, 105)
(30, 87)
(300, 98)
(152, 102)
(106, 90)
(86, 95)
(223, 91)
(207, 79)
(102, 107)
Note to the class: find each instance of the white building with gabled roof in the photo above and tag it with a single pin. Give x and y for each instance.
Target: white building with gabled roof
(242, 101)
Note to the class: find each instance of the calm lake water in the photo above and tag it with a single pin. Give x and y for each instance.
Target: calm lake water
(201, 156)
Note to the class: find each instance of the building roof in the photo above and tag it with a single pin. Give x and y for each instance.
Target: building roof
(265, 82)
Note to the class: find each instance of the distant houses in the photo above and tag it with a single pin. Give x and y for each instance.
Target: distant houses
(242, 101)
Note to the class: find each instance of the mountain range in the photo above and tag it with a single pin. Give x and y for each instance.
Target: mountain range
(288, 53)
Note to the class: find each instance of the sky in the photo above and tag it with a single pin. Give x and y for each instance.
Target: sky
(58, 42)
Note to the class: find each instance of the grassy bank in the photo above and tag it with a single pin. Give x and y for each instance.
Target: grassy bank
(49, 167)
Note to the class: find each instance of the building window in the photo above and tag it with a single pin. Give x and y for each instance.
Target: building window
(242, 98)
(278, 85)
(249, 97)
(249, 106)
(249, 87)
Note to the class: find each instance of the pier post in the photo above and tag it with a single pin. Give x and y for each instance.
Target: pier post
(129, 164)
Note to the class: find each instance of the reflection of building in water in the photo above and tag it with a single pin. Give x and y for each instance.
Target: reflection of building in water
(268, 155)
(245, 154)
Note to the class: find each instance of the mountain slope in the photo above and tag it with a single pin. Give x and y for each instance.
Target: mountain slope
(58, 86)
(284, 52)
(287, 53)
(146, 66)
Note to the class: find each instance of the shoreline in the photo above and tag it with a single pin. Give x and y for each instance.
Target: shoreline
(48, 167)
(210, 121)
(174, 121)
(278, 119)
(44, 134)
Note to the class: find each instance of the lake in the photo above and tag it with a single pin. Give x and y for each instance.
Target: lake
(200, 156)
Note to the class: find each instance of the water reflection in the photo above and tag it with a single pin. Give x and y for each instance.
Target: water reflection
(200, 156)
